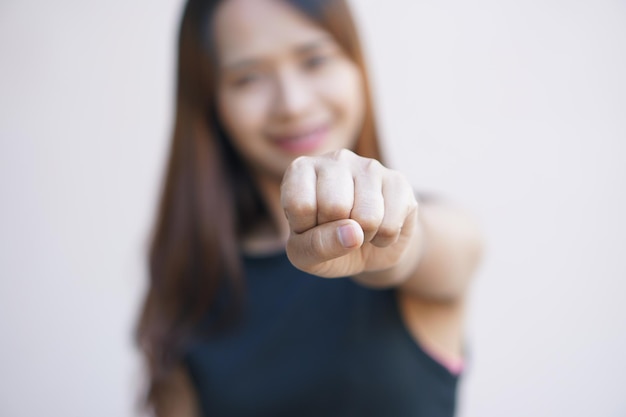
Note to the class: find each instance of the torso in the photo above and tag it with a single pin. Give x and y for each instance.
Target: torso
(314, 346)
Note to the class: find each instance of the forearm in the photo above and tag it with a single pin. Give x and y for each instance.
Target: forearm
(441, 258)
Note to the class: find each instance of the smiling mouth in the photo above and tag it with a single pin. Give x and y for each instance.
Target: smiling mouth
(302, 142)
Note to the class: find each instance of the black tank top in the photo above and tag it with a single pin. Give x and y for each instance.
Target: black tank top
(309, 346)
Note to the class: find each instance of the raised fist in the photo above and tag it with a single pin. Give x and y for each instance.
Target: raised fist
(347, 214)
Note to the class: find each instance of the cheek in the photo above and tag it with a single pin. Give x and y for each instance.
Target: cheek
(243, 115)
(344, 92)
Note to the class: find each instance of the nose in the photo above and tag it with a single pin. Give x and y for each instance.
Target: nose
(293, 96)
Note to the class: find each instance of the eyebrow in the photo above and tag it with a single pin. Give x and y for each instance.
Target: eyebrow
(301, 49)
(313, 45)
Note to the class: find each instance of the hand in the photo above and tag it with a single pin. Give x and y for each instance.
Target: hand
(347, 214)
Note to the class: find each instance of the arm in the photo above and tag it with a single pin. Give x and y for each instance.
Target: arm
(365, 223)
(440, 259)
(438, 267)
(351, 216)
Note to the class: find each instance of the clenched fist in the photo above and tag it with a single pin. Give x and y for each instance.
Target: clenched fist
(347, 214)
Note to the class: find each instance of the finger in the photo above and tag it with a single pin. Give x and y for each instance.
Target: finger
(335, 192)
(298, 195)
(399, 202)
(369, 207)
(323, 243)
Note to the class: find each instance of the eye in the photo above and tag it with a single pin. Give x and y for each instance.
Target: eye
(316, 61)
(247, 80)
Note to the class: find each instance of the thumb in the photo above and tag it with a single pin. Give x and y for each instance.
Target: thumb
(323, 243)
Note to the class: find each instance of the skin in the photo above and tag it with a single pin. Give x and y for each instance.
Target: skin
(285, 87)
(291, 101)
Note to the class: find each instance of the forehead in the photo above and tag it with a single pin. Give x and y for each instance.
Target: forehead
(253, 29)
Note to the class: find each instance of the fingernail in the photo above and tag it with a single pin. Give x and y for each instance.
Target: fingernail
(347, 236)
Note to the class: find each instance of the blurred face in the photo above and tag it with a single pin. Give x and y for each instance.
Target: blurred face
(285, 87)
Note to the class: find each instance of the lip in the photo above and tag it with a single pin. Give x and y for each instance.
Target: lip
(302, 140)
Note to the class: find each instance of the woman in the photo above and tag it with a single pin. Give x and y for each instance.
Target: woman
(291, 272)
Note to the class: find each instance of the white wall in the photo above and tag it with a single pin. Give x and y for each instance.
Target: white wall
(515, 109)
(518, 109)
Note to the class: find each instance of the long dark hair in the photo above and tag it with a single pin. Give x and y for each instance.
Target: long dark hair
(208, 198)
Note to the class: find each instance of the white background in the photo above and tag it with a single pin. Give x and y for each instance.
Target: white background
(516, 109)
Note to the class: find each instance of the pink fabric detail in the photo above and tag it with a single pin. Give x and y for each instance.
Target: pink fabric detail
(454, 365)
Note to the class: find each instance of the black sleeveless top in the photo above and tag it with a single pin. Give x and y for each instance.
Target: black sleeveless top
(309, 346)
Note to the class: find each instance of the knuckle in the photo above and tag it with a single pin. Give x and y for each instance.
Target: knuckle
(373, 165)
(388, 232)
(342, 154)
(300, 161)
(401, 184)
(299, 207)
(411, 202)
(396, 176)
(368, 221)
(296, 165)
(336, 209)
